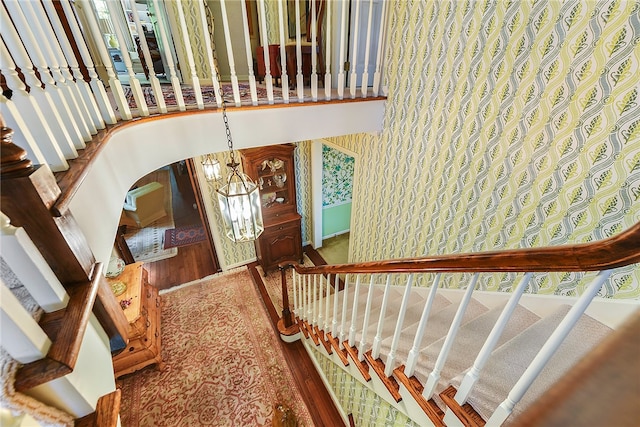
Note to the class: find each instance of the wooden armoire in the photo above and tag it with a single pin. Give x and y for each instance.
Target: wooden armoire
(272, 169)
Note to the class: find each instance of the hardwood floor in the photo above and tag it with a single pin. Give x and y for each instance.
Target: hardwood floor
(312, 389)
(193, 262)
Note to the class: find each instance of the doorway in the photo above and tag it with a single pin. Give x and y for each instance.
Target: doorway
(186, 251)
(332, 180)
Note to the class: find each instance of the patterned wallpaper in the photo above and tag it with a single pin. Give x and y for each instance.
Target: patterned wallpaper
(368, 408)
(508, 124)
(337, 176)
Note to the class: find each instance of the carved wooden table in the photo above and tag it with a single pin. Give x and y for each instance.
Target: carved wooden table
(143, 314)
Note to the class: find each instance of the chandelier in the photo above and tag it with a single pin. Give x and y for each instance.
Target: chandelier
(238, 198)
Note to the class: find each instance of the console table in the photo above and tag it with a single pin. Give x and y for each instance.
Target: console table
(143, 314)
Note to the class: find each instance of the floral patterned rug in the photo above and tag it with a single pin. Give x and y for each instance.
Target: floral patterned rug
(208, 95)
(223, 362)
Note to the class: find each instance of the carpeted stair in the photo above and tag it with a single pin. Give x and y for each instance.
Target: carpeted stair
(520, 341)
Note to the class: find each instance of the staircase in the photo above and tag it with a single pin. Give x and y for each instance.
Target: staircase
(451, 356)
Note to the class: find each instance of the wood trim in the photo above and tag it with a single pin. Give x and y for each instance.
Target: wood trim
(106, 413)
(363, 367)
(66, 331)
(412, 384)
(197, 192)
(389, 382)
(465, 413)
(617, 251)
(342, 353)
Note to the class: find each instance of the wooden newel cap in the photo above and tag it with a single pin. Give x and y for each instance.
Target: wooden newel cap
(13, 159)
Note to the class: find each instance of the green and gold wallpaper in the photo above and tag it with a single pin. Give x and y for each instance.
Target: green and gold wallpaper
(508, 124)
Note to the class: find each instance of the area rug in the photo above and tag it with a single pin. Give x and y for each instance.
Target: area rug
(208, 95)
(146, 244)
(224, 365)
(183, 236)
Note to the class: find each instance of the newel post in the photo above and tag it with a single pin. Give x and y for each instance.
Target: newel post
(27, 194)
(286, 312)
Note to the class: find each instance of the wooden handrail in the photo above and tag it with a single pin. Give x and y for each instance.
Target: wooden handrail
(66, 330)
(617, 251)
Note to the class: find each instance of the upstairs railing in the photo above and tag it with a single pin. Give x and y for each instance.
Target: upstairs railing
(72, 67)
(347, 325)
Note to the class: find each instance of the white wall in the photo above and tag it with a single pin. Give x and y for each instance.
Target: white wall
(140, 147)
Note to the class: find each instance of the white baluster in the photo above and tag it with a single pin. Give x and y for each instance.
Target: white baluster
(367, 50)
(354, 313)
(37, 137)
(27, 263)
(232, 64)
(268, 80)
(343, 44)
(314, 51)
(295, 293)
(284, 78)
(69, 65)
(61, 140)
(97, 93)
(327, 299)
(299, 76)
(548, 349)
(412, 358)
(22, 337)
(114, 83)
(354, 53)
(173, 77)
(365, 322)
(83, 94)
(320, 300)
(377, 73)
(327, 60)
(309, 301)
(343, 320)
(391, 357)
(153, 79)
(247, 47)
(434, 376)
(334, 322)
(134, 83)
(43, 32)
(55, 100)
(473, 374)
(195, 81)
(377, 340)
(209, 52)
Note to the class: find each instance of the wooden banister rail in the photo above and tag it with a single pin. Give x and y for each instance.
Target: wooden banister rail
(66, 330)
(617, 251)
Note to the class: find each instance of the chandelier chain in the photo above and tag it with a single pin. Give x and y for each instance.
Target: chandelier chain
(225, 119)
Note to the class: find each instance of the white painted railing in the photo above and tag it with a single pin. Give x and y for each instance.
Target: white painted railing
(324, 308)
(74, 78)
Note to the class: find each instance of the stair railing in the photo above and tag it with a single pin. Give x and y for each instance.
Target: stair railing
(602, 256)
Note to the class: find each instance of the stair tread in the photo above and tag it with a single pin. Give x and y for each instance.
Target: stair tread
(412, 315)
(468, 343)
(510, 360)
(437, 327)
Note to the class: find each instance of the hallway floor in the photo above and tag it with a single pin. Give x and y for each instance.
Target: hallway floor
(335, 250)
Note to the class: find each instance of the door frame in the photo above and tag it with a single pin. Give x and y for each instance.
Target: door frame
(316, 187)
(195, 186)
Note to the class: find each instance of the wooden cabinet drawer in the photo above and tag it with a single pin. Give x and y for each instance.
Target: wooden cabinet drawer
(279, 243)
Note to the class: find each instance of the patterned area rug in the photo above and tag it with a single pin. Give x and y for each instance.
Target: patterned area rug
(146, 244)
(208, 95)
(223, 362)
(183, 236)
